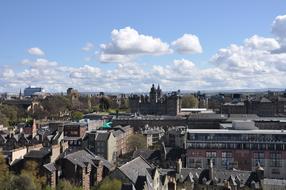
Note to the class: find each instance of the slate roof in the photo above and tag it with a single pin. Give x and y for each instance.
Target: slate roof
(147, 154)
(43, 152)
(102, 136)
(50, 167)
(81, 157)
(200, 174)
(134, 168)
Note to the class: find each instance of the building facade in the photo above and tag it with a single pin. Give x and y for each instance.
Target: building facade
(239, 148)
(156, 103)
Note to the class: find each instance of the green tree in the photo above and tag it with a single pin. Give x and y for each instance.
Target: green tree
(10, 113)
(109, 183)
(66, 185)
(4, 120)
(4, 173)
(31, 170)
(136, 141)
(55, 105)
(104, 103)
(189, 101)
(23, 182)
(77, 115)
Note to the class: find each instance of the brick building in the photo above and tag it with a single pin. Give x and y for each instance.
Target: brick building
(242, 146)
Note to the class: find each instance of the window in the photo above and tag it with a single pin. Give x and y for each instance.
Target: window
(195, 163)
(275, 159)
(226, 159)
(275, 171)
(211, 154)
(258, 157)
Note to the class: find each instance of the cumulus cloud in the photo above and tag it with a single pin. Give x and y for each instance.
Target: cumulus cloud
(128, 42)
(260, 43)
(258, 62)
(187, 44)
(88, 47)
(114, 58)
(36, 51)
(39, 63)
(279, 28)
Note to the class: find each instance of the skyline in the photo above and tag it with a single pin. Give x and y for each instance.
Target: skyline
(125, 47)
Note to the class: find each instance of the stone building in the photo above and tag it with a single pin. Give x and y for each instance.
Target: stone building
(109, 143)
(156, 103)
(83, 168)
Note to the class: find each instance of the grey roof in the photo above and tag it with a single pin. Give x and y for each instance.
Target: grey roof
(81, 157)
(66, 138)
(147, 154)
(50, 167)
(207, 116)
(77, 124)
(219, 174)
(153, 131)
(134, 168)
(150, 117)
(232, 131)
(242, 117)
(102, 136)
(117, 133)
(43, 152)
(265, 100)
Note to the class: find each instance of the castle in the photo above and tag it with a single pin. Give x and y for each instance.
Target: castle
(156, 103)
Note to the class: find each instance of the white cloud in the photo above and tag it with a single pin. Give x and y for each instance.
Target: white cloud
(88, 47)
(187, 44)
(39, 63)
(36, 51)
(85, 72)
(261, 43)
(114, 58)
(7, 73)
(258, 62)
(279, 28)
(128, 42)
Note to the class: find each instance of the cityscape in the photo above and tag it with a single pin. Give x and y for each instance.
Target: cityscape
(143, 95)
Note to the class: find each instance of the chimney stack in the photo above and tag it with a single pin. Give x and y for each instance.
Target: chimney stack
(179, 166)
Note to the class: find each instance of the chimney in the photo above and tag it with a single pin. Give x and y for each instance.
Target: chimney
(117, 113)
(34, 128)
(179, 166)
(211, 170)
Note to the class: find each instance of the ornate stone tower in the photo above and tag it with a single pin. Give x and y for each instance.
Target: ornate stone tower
(153, 95)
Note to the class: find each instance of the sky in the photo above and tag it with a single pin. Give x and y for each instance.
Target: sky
(125, 46)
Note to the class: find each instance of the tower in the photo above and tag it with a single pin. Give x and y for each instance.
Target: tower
(159, 92)
(153, 95)
(20, 94)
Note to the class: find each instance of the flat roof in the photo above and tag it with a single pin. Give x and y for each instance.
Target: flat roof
(229, 131)
(193, 109)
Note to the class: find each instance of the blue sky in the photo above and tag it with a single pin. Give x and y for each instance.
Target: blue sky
(60, 29)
